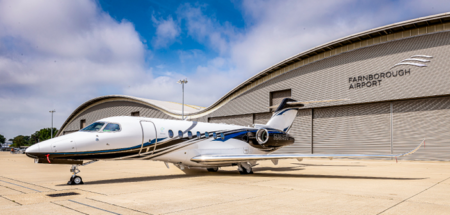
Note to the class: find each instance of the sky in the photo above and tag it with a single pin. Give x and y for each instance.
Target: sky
(56, 55)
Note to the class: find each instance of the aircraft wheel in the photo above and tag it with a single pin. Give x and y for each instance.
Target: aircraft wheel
(77, 180)
(215, 169)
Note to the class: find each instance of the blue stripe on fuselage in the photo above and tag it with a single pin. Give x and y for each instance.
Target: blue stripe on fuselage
(111, 150)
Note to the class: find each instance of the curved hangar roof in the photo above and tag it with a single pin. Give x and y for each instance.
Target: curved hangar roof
(400, 30)
(170, 108)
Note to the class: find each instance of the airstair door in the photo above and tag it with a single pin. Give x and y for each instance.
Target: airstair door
(149, 138)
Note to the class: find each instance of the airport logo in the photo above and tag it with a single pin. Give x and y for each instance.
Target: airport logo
(374, 80)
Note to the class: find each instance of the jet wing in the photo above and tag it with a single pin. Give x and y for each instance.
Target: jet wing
(216, 159)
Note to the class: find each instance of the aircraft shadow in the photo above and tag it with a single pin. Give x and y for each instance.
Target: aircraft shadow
(304, 164)
(136, 179)
(199, 173)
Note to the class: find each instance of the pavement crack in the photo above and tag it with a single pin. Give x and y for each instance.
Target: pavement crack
(413, 195)
(28, 183)
(93, 207)
(117, 206)
(11, 200)
(13, 189)
(21, 186)
(91, 191)
(68, 208)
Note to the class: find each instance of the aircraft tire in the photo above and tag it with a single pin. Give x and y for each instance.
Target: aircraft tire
(77, 180)
(215, 169)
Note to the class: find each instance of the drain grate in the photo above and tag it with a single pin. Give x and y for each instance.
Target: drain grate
(63, 194)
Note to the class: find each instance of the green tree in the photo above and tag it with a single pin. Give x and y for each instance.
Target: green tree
(2, 139)
(34, 138)
(45, 134)
(19, 141)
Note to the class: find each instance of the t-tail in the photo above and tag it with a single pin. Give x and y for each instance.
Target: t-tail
(284, 115)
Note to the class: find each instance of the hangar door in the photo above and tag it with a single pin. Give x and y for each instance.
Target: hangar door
(417, 119)
(355, 129)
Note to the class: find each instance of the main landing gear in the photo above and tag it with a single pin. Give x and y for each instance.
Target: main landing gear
(213, 169)
(75, 179)
(245, 168)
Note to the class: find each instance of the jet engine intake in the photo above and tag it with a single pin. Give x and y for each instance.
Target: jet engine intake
(262, 136)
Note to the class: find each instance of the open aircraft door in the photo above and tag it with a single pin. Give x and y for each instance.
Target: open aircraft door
(149, 138)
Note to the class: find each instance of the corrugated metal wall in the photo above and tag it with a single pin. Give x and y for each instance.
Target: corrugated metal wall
(301, 131)
(262, 118)
(415, 120)
(278, 96)
(352, 129)
(235, 120)
(329, 78)
(115, 108)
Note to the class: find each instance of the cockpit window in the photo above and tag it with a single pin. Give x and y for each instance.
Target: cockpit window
(111, 127)
(96, 126)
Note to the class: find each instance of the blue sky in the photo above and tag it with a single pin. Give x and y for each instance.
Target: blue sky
(58, 54)
(145, 14)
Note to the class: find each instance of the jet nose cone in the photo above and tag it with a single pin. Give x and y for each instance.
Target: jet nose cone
(32, 149)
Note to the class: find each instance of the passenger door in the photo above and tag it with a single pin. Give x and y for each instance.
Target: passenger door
(149, 137)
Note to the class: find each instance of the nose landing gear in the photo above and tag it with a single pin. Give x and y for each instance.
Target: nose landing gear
(74, 179)
(245, 168)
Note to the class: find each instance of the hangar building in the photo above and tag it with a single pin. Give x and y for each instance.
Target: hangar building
(396, 80)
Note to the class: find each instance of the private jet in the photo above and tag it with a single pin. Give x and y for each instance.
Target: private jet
(185, 144)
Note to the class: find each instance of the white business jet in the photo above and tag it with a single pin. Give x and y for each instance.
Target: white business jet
(185, 144)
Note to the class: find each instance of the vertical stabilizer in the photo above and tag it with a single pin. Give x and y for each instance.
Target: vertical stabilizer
(284, 116)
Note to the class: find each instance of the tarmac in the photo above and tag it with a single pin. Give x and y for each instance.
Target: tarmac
(313, 186)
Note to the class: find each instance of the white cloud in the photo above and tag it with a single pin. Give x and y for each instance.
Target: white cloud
(166, 32)
(58, 54)
(206, 29)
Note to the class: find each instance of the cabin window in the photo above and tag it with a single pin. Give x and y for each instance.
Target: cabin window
(199, 134)
(111, 127)
(214, 135)
(170, 133)
(180, 134)
(222, 136)
(206, 134)
(190, 134)
(96, 126)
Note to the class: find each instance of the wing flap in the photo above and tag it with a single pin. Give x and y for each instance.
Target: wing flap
(252, 157)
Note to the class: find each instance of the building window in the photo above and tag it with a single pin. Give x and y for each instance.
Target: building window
(82, 123)
(277, 96)
(135, 113)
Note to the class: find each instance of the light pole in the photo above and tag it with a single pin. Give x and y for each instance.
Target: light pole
(51, 135)
(182, 82)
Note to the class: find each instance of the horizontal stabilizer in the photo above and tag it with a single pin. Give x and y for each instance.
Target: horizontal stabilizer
(209, 159)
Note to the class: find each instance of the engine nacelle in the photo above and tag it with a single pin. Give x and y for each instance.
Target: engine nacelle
(269, 138)
(262, 136)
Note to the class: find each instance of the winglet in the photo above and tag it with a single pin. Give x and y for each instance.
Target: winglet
(414, 150)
